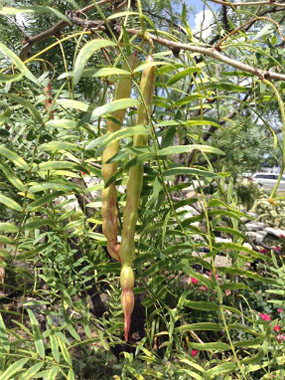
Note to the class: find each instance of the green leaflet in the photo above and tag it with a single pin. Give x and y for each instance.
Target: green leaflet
(8, 227)
(177, 149)
(10, 203)
(38, 340)
(13, 369)
(85, 53)
(11, 176)
(115, 105)
(14, 157)
(106, 139)
(31, 372)
(19, 63)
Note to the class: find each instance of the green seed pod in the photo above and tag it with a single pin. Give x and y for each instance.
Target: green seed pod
(134, 188)
(109, 194)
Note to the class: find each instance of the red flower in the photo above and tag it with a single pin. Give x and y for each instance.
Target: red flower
(282, 236)
(280, 310)
(193, 280)
(82, 173)
(194, 353)
(280, 337)
(265, 317)
(276, 248)
(263, 250)
(209, 273)
(277, 328)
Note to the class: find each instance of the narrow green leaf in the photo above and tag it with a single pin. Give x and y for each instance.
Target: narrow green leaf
(19, 63)
(4, 339)
(14, 157)
(177, 149)
(52, 373)
(70, 375)
(106, 71)
(30, 107)
(201, 326)
(85, 53)
(8, 227)
(53, 186)
(182, 74)
(221, 368)
(217, 346)
(106, 139)
(148, 65)
(58, 165)
(231, 231)
(38, 340)
(54, 347)
(10, 203)
(115, 105)
(54, 146)
(6, 240)
(64, 351)
(189, 171)
(11, 176)
(62, 123)
(31, 372)
(14, 368)
(5, 78)
(201, 305)
(76, 104)
(43, 200)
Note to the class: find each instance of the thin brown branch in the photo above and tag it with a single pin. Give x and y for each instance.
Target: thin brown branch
(249, 23)
(213, 53)
(250, 3)
(55, 30)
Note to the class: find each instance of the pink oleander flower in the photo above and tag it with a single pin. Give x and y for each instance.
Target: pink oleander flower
(282, 236)
(228, 292)
(193, 280)
(265, 317)
(263, 250)
(280, 310)
(277, 328)
(209, 273)
(280, 337)
(203, 288)
(194, 353)
(276, 248)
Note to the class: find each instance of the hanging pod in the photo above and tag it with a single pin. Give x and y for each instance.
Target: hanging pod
(134, 188)
(109, 194)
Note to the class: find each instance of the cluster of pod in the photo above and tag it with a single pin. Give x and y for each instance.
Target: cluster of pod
(125, 251)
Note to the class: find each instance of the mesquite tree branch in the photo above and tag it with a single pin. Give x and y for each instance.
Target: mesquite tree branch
(53, 31)
(213, 53)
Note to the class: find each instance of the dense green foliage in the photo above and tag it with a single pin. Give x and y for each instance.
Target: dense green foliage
(61, 314)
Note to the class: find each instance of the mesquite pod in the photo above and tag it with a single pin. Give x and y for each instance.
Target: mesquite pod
(109, 194)
(134, 188)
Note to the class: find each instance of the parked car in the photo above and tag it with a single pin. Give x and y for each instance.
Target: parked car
(267, 180)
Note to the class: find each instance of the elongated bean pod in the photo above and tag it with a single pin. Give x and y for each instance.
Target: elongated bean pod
(134, 188)
(109, 195)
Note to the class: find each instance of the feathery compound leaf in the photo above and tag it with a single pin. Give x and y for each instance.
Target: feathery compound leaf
(10, 203)
(19, 63)
(85, 53)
